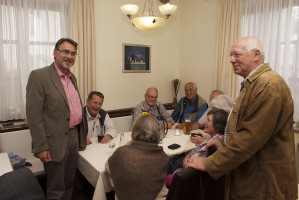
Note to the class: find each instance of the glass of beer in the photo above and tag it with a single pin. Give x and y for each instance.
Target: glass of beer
(187, 123)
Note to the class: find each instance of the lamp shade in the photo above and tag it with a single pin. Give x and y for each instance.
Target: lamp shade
(129, 9)
(148, 22)
(167, 9)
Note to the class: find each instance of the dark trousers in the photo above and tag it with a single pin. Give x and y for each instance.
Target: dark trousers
(175, 163)
(61, 175)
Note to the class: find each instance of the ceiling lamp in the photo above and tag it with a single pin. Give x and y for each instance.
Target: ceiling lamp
(148, 20)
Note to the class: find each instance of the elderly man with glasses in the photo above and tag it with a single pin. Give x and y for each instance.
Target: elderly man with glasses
(258, 153)
(152, 107)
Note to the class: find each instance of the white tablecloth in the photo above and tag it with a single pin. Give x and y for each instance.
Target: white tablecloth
(5, 164)
(92, 160)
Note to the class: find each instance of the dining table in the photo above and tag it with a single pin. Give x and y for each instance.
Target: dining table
(92, 160)
(5, 164)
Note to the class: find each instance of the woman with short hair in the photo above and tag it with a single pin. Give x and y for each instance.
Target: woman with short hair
(138, 170)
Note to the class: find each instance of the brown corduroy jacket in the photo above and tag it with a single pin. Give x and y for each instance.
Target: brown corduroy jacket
(258, 157)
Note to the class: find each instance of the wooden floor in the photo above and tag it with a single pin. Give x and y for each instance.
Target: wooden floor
(83, 190)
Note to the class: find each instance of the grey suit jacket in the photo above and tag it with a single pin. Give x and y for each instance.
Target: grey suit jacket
(48, 113)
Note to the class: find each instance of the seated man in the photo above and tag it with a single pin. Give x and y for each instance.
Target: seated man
(96, 118)
(152, 107)
(191, 104)
(215, 93)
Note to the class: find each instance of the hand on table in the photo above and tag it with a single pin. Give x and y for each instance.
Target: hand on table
(106, 139)
(168, 125)
(181, 125)
(88, 141)
(44, 156)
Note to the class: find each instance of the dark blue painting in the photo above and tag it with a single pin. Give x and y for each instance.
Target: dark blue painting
(136, 58)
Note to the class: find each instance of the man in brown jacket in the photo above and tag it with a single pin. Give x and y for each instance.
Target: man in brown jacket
(258, 155)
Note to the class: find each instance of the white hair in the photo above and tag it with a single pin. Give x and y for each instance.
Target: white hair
(223, 102)
(254, 43)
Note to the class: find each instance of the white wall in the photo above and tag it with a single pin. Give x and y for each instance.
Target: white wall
(198, 26)
(180, 50)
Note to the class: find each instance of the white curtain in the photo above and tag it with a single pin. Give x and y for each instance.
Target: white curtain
(29, 30)
(276, 24)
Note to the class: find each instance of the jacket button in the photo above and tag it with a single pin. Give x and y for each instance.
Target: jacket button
(68, 119)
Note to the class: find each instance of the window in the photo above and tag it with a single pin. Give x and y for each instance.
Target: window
(28, 33)
(276, 23)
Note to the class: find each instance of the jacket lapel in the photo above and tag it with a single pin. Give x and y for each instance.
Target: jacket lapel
(57, 82)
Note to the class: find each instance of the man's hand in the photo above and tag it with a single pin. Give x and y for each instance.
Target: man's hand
(168, 125)
(197, 163)
(106, 139)
(181, 125)
(44, 156)
(88, 141)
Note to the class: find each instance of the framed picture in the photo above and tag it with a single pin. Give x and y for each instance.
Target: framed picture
(136, 58)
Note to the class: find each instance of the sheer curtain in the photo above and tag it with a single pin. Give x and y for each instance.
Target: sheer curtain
(276, 24)
(29, 30)
(82, 30)
(229, 17)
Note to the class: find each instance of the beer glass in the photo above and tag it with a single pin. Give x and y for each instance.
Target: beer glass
(187, 123)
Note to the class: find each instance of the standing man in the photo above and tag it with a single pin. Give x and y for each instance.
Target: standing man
(192, 104)
(54, 112)
(152, 107)
(258, 157)
(97, 118)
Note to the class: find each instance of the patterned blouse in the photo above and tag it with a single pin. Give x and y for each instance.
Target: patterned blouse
(201, 149)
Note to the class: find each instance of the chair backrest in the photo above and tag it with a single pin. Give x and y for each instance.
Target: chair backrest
(191, 184)
(20, 184)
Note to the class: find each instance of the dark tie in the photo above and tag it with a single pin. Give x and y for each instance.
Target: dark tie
(242, 86)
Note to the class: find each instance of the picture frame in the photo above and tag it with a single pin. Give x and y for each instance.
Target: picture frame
(136, 58)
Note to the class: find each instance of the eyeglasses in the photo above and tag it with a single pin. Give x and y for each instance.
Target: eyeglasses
(67, 52)
(237, 55)
(152, 97)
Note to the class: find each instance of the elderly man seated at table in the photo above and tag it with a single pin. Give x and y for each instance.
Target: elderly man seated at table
(152, 107)
(96, 119)
(192, 104)
(215, 93)
(138, 169)
(215, 127)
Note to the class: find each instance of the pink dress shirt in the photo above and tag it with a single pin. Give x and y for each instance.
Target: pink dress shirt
(72, 97)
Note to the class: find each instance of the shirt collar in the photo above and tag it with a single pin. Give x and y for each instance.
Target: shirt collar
(89, 117)
(60, 74)
(193, 101)
(254, 70)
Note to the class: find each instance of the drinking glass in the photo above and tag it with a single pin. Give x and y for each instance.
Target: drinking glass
(122, 139)
(111, 145)
(187, 123)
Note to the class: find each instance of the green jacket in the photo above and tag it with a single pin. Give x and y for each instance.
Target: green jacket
(258, 157)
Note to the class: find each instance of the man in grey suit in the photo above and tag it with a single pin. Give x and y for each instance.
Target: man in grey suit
(54, 114)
